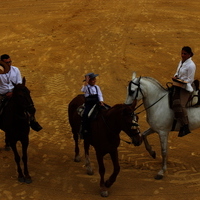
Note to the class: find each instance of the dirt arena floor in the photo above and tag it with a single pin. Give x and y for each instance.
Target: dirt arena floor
(54, 43)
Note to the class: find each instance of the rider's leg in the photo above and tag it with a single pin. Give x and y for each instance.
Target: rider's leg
(180, 112)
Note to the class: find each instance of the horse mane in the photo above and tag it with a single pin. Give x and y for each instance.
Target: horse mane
(153, 80)
(116, 108)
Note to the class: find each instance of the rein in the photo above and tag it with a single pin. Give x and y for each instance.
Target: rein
(139, 89)
(126, 141)
(150, 105)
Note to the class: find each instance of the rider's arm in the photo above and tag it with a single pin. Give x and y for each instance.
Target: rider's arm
(4, 68)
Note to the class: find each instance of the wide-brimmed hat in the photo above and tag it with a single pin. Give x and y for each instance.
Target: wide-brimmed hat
(91, 75)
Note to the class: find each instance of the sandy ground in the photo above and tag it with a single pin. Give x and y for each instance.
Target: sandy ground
(54, 43)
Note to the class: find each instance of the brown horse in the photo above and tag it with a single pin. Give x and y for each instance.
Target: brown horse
(14, 121)
(104, 136)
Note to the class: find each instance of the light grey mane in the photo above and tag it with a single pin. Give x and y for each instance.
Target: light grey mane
(154, 81)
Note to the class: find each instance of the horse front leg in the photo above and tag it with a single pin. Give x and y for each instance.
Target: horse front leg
(17, 160)
(87, 158)
(27, 177)
(164, 145)
(116, 169)
(103, 188)
(77, 151)
(146, 142)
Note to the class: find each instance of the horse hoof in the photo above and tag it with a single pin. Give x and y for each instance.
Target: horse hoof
(21, 179)
(104, 193)
(77, 159)
(158, 177)
(90, 172)
(28, 180)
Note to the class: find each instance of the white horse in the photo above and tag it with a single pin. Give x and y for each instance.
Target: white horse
(160, 116)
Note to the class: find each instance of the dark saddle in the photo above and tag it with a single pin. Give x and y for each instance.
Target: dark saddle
(94, 110)
(194, 99)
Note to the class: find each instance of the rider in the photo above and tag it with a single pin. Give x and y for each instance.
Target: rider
(182, 82)
(12, 75)
(93, 95)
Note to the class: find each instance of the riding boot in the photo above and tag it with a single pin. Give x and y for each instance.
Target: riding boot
(184, 130)
(34, 124)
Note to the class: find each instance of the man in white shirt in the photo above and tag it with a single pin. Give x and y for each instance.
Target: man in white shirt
(6, 85)
(12, 76)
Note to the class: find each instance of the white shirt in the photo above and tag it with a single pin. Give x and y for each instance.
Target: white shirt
(92, 90)
(6, 80)
(186, 72)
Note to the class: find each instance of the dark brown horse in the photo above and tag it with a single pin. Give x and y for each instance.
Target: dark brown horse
(14, 121)
(104, 136)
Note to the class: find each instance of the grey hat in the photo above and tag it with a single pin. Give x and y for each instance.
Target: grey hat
(91, 75)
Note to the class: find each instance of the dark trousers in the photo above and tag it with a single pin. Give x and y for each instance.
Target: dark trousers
(89, 103)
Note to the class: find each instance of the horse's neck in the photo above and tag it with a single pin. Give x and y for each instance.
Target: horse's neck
(13, 108)
(111, 119)
(152, 92)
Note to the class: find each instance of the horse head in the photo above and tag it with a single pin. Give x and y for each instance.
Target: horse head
(130, 124)
(21, 96)
(134, 91)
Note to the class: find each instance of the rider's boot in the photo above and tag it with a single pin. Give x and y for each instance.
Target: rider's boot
(184, 130)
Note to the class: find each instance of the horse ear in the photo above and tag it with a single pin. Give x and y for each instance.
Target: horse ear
(24, 80)
(134, 75)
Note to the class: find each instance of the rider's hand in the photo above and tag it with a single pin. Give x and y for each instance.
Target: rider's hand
(9, 94)
(101, 103)
(87, 78)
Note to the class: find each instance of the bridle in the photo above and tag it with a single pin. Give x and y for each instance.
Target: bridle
(130, 92)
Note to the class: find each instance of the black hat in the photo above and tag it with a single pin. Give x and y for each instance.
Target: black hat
(91, 75)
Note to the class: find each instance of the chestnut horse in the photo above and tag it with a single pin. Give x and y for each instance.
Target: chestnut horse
(14, 121)
(104, 136)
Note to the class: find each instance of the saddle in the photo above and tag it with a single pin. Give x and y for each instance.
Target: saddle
(194, 99)
(94, 110)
